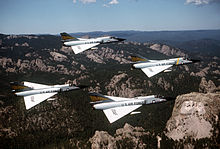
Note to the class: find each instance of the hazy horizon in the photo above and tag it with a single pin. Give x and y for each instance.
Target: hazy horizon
(111, 31)
(74, 16)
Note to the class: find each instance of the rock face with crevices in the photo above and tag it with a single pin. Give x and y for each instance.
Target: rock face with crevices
(58, 57)
(167, 50)
(104, 54)
(207, 86)
(128, 136)
(70, 118)
(193, 116)
(122, 89)
(102, 139)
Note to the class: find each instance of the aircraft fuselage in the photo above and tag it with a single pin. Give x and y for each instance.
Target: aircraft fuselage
(130, 102)
(100, 40)
(174, 61)
(51, 89)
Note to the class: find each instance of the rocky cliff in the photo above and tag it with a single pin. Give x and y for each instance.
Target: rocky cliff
(70, 120)
(196, 115)
(126, 137)
(167, 50)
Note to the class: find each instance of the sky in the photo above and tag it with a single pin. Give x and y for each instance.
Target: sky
(72, 16)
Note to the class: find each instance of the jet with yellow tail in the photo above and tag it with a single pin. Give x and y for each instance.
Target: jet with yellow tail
(35, 93)
(153, 67)
(81, 44)
(118, 107)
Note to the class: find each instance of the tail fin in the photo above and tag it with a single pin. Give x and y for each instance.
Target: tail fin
(96, 97)
(138, 58)
(66, 36)
(15, 86)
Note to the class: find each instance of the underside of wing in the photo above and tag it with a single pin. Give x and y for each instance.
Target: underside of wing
(80, 48)
(151, 71)
(33, 100)
(113, 114)
(35, 85)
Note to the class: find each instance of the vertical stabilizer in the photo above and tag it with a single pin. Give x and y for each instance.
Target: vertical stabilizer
(16, 86)
(138, 59)
(95, 97)
(66, 37)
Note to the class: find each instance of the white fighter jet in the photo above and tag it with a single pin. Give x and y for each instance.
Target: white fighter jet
(80, 44)
(35, 93)
(117, 107)
(153, 67)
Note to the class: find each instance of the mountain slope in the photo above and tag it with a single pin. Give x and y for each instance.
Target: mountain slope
(70, 118)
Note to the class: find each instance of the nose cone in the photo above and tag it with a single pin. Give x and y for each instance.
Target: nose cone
(120, 39)
(195, 61)
(169, 98)
(82, 86)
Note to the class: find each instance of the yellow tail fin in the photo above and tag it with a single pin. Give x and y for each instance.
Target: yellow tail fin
(95, 97)
(66, 36)
(138, 58)
(15, 86)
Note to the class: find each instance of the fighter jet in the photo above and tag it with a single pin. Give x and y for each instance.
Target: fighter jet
(80, 44)
(153, 67)
(117, 107)
(35, 93)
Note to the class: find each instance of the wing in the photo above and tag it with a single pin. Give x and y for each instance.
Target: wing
(80, 48)
(35, 85)
(33, 100)
(113, 114)
(151, 71)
